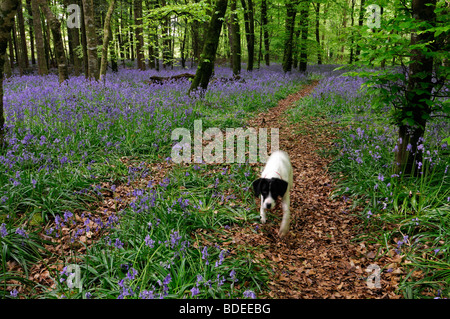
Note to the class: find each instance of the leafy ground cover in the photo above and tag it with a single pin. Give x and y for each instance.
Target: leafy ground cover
(407, 216)
(73, 146)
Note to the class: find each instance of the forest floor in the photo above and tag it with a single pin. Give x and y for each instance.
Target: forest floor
(320, 257)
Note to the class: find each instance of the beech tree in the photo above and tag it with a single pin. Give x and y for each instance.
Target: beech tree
(411, 90)
(91, 40)
(106, 39)
(55, 26)
(208, 56)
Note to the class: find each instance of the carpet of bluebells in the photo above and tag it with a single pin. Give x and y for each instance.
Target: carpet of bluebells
(65, 140)
(364, 160)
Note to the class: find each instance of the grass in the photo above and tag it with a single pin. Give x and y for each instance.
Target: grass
(409, 214)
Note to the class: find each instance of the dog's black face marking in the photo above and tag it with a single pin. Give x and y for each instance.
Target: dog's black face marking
(274, 186)
(278, 187)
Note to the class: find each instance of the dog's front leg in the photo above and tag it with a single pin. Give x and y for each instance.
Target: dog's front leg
(285, 203)
(262, 211)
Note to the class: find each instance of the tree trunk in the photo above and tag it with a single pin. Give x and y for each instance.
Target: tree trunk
(360, 23)
(266, 33)
(352, 34)
(58, 41)
(249, 32)
(319, 49)
(91, 39)
(291, 12)
(139, 36)
(40, 45)
(84, 42)
(23, 57)
(418, 91)
(7, 67)
(8, 9)
(304, 28)
(106, 38)
(235, 40)
(208, 56)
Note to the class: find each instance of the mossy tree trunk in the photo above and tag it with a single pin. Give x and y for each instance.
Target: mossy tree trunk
(208, 56)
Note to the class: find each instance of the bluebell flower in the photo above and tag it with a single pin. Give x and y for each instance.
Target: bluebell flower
(13, 293)
(3, 230)
(249, 294)
(194, 291)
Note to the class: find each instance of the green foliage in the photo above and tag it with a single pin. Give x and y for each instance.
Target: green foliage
(391, 42)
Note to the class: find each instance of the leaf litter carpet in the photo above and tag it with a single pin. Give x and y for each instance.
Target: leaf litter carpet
(318, 258)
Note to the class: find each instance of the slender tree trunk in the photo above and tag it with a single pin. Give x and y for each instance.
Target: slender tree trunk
(7, 67)
(208, 56)
(30, 24)
(58, 41)
(352, 34)
(23, 39)
(11, 53)
(304, 28)
(106, 39)
(8, 9)
(249, 32)
(183, 45)
(291, 12)
(418, 91)
(40, 45)
(84, 41)
(139, 36)
(266, 33)
(91, 39)
(296, 49)
(319, 48)
(235, 39)
(360, 23)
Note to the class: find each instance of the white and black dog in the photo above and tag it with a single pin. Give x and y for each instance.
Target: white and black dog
(276, 181)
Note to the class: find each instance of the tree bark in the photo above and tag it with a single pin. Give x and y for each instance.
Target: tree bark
(40, 45)
(352, 34)
(360, 24)
(106, 39)
(266, 33)
(319, 49)
(91, 39)
(289, 36)
(208, 56)
(23, 57)
(235, 40)
(418, 91)
(30, 22)
(249, 32)
(139, 35)
(8, 9)
(304, 28)
(55, 26)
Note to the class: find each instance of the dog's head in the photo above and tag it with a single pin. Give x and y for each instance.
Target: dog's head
(269, 189)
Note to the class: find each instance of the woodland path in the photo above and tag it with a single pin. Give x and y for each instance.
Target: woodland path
(319, 258)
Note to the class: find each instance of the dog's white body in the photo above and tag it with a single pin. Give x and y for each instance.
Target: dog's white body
(278, 166)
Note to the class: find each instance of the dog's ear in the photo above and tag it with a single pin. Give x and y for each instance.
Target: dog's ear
(278, 187)
(257, 187)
